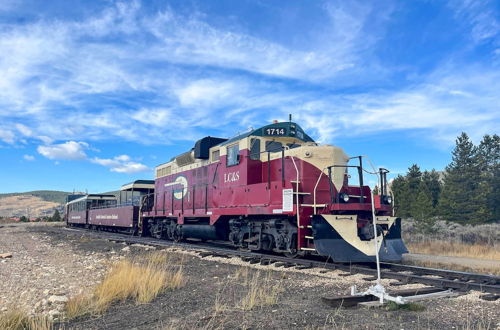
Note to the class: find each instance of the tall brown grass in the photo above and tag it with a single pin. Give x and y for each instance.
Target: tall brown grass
(454, 249)
(17, 319)
(139, 280)
(493, 270)
(261, 291)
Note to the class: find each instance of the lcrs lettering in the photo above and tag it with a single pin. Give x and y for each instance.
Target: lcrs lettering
(231, 176)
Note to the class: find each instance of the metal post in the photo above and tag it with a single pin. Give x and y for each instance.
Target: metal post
(360, 172)
(283, 167)
(206, 198)
(376, 245)
(269, 170)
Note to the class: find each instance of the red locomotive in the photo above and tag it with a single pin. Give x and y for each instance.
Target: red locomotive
(271, 189)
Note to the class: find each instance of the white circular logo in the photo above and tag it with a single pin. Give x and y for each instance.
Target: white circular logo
(179, 193)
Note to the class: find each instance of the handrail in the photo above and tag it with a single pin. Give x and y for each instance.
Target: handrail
(297, 194)
(315, 187)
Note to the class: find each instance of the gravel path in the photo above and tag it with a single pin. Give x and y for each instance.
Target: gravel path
(41, 275)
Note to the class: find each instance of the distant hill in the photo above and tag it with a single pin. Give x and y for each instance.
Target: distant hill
(27, 205)
(54, 196)
(34, 203)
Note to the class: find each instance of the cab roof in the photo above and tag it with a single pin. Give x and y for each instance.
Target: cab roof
(283, 129)
(139, 185)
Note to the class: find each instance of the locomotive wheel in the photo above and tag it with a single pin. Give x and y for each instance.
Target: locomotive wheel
(294, 253)
(176, 234)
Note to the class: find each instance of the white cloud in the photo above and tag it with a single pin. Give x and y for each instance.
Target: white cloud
(7, 136)
(130, 167)
(156, 117)
(439, 109)
(29, 158)
(121, 164)
(70, 150)
(166, 72)
(24, 130)
(206, 92)
(481, 16)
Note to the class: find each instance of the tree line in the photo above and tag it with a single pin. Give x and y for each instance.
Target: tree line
(467, 192)
(54, 218)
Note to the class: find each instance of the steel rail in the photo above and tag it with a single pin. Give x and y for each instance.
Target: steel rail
(446, 279)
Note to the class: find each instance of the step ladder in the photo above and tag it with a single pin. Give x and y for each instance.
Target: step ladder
(297, 193)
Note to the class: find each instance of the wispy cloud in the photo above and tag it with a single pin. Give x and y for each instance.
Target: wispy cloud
(121, 164)
(126, 73)
(29, 158)
(481, 16)
(73, 150)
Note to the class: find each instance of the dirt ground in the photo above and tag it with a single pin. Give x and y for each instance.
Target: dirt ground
(215, 288)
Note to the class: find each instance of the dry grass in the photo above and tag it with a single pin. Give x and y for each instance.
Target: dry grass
(451, 266)
(443, 248)
(261, 292)
(16, 319)
(79, 305)
(140, 280)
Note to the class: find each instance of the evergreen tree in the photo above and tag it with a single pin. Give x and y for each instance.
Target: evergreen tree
(402, 200)
(431, 179)
(56, 216)
(23, 219)
(459, 198)
(413, 177)
(422, 210)
(489, 164)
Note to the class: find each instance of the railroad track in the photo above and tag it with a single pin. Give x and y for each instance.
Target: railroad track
(404, 274)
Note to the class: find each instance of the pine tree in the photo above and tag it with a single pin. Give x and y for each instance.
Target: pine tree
(459, 198)
(431, 179)
(489, 163)
(413, 177)
(400, 190)
(422, 210)
(56, 216)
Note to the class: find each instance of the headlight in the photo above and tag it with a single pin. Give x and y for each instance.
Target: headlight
(344, 197)
(388, 199)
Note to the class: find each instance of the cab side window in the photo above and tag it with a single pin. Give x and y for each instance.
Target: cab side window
(233, 153)
(255, 149)
(215, 155)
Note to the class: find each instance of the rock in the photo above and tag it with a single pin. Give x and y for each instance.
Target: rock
(46, 292)
(126, 249)
(54, 313)
(5, 255)
(58, 299)
(140, 245)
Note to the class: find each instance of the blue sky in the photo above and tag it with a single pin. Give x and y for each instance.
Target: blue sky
(94, 94)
